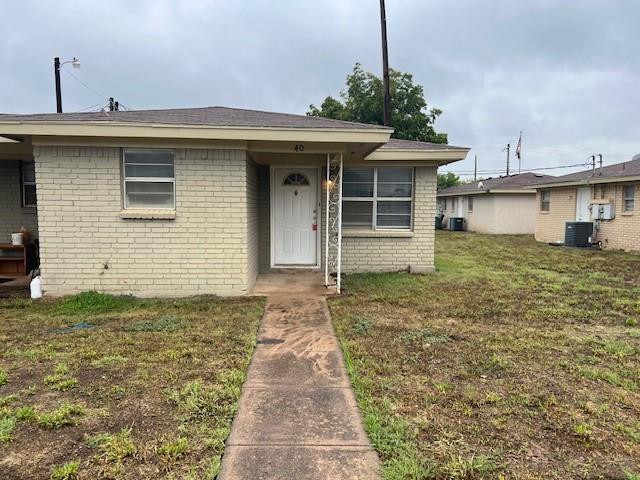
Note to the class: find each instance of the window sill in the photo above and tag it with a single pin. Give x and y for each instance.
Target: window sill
(147, 214)
(377, 233)
(627, 214)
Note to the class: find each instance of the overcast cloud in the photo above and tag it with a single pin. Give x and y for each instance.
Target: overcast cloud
(567, 73)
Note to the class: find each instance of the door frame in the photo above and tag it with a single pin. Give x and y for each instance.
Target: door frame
(272, 216)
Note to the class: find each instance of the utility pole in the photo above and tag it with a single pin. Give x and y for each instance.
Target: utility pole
(57, 65)
(385, 67)
(508, 149)
(600, 164)
(56, 72)
(114, 106)
(475, 168)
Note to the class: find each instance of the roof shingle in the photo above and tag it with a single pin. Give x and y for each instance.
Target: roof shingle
(521, 181)
(205, 116)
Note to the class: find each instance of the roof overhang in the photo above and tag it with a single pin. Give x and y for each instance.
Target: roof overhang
(199, 132)
(438, 157)
(484, 192)
(589, 181)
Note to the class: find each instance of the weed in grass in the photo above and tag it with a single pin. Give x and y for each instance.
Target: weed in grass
(94, 303)
(114, 447)
(7, 425)
(631, 431)
(7, 399)
(616, 348)
(196, 399)
(461, 468)
(631, 476)
(498, 362)
(108, 360)
(584, 431)
(171, 451)
(631, 322)
(25, 413)
(65, 414)
(360, 325)
(609, 376)
(164, 323)
(68, 471)
(60, 379)
(3, 377)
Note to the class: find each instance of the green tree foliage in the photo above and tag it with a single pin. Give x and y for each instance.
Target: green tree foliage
(448, 179)
(363, 98)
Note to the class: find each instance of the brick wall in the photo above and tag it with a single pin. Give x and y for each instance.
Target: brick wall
(86, 245)
(623, 232)
(12, 214)
(550, 226)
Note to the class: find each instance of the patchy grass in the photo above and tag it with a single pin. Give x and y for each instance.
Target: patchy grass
(100, 386)
(515, 360)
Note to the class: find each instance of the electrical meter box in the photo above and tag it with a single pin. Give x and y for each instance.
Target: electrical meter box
(602, 211)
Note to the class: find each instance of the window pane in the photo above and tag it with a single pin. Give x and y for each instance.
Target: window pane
(157, 171)
(28, 172)
(397, 208)
(357, 182)
(149, 194)
(394, 190)
(358, 175)
(357, 214)
(394, 221)
(394, 175)
(150, 156)
(29, 195)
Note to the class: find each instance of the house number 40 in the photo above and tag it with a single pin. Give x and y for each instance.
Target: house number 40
(299, 148)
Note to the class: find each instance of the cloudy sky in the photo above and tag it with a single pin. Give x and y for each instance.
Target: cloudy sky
(565, 72)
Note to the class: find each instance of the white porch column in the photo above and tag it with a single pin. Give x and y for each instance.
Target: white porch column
(333, 221)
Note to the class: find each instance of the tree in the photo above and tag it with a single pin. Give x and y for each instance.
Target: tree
(362, 101)
(448, 179)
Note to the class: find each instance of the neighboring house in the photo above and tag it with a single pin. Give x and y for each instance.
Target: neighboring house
(503, 205)
(610, 197)
(202, 200)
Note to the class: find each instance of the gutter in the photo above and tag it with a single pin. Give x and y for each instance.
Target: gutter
(589, 181)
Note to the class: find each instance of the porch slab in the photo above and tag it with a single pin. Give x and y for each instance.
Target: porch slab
(300, 463)
(288, 282)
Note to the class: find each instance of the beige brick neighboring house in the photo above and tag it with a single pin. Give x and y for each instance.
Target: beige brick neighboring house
(202, 201)
(608, 197)
(502, 205)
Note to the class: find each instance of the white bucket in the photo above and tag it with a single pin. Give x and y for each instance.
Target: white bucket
(36, 288)
(16, 238)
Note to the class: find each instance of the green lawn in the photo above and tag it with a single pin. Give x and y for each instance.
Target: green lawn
(515, 360)
(148, 391)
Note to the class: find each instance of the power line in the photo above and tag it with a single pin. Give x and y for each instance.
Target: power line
(104, 97)
(485, 172)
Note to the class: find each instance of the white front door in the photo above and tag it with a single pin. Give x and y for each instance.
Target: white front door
(583, 197)
(295, 216)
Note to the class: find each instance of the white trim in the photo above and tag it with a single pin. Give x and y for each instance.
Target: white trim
(272, 231)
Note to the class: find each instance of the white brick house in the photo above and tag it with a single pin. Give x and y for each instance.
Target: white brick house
(191, 201)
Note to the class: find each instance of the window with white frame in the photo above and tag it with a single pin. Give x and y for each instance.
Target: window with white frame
(545, 200)
(148, 179)
(377, 198)
(629, 194)
(28, 179)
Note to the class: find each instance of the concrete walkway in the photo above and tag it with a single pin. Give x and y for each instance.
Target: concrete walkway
(298, 417)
